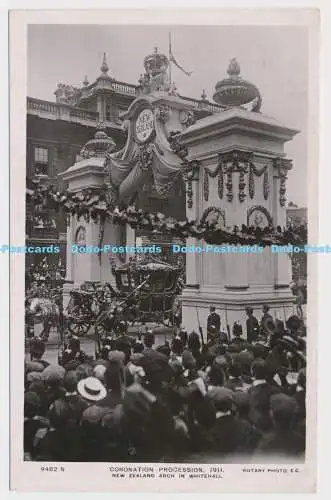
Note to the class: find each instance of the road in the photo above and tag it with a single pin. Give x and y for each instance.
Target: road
(87, 342)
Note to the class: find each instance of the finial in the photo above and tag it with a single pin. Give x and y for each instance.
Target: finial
(233, 68)
(155, 50)
(100, 145)
(85, 82)
(204, 95)
(104, 66)
(234, 91)
(173, 89)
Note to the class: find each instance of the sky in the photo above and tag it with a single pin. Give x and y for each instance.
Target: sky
(274, 58)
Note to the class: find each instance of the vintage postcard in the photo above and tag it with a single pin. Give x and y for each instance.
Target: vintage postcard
(163, 284)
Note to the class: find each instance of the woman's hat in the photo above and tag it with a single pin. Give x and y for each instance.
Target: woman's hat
(70, 381)
(32, 399)
(91, 389)
(99, 372)
(293, 323)
(33, 366)
(188, 359)
(32, 376)
(222, 398)
(84, 371)
(37, 345)
(117, 357)
(288, 343)
(53, 374)
(93, 415)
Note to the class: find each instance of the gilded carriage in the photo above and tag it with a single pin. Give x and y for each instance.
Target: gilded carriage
(145, 291)
(155, 285)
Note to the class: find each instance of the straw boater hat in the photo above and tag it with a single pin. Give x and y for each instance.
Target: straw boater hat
(91, 389)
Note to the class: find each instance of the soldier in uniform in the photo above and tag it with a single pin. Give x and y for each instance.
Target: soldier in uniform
(213, 319)
(252, 325)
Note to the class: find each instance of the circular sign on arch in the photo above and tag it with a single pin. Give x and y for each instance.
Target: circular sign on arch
(144, 127)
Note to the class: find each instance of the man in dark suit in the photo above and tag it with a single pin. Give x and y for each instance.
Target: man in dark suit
(284, 438)
(229, 434)
(259, 397)
(266, 320)
(252, 325)
(213, 319)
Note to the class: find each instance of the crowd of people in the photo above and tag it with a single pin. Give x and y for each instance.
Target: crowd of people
(188, 400)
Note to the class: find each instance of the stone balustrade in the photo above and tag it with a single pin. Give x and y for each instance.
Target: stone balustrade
(60, 111)
(199, 104)
(41, 106)
(124, 88)
(83, 114)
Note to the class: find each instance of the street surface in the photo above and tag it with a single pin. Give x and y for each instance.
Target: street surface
(87, 342)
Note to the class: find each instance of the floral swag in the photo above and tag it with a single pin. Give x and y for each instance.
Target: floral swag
(96, 205)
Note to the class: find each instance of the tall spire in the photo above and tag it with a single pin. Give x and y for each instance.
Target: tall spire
(104, 66)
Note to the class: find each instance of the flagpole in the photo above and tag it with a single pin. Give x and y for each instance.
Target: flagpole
(170, 77)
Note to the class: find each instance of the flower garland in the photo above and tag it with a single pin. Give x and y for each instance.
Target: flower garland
(94, 204)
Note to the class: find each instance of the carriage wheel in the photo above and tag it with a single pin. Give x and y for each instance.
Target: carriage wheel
(79, 329)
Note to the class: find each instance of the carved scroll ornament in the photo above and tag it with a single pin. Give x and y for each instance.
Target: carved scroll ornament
(190, 174)
(282, 165)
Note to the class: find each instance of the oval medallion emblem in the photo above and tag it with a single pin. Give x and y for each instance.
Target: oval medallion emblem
(144, 125)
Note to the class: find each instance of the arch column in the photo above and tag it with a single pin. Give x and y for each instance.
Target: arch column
(244, 180)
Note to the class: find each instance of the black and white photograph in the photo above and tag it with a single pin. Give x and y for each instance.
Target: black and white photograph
(166, 245)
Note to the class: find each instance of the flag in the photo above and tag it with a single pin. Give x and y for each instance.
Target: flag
(173, 60)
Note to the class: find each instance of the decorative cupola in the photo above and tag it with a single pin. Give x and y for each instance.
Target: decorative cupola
(234, 91)
(99, 145)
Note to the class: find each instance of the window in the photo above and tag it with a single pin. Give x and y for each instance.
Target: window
(41, 155)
